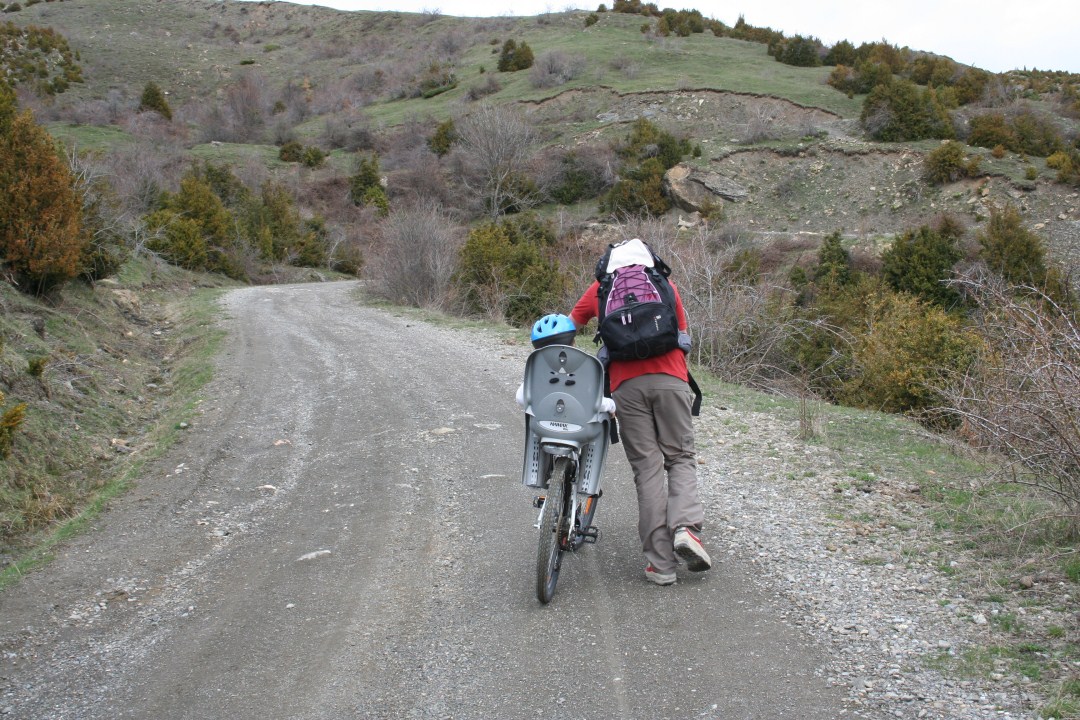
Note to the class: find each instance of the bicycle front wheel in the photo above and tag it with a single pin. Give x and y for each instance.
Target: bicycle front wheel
(554, 529)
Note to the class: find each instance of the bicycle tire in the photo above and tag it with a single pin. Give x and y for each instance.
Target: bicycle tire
(554, 528)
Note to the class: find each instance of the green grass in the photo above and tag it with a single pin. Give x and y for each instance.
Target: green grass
(90, 137)
(237, 154)
(1071, 567)
(698, 62)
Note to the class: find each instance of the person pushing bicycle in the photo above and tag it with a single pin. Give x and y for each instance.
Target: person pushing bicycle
(655, 403)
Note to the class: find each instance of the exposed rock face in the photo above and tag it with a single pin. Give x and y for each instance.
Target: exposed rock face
(692, 189)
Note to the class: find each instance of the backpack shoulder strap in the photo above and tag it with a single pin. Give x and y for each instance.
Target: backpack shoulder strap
(601, 264)
(695, 409)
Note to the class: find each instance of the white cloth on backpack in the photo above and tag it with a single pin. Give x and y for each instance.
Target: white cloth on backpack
(631, 252)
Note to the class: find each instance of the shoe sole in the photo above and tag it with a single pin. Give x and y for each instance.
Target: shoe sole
(661, 583)
(694, 560)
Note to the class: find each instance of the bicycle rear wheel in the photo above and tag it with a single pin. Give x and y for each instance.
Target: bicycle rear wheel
(554, 529)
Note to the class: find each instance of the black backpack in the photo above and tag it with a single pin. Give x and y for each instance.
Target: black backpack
(636, 313)
(642, 321)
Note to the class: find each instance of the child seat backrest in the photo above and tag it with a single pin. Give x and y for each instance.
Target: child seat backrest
(563, 385)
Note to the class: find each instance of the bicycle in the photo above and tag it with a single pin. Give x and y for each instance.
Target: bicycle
(567, 435)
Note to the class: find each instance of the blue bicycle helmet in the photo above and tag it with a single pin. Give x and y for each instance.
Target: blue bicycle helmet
(553, 330)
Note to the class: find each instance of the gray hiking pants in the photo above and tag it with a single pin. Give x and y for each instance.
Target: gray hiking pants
(658, 438)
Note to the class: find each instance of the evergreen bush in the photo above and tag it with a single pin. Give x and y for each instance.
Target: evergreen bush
(291, 151)
(1012, 251)
(920, 262)
(503, 272)
(948, 163)
(515, 56)
(41, 234)
(153, 99)
(900, 111)
(443, 138)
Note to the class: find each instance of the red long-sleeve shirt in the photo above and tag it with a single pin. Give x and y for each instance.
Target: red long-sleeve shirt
(672, 362)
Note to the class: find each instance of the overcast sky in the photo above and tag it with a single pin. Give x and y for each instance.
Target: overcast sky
(995, 35)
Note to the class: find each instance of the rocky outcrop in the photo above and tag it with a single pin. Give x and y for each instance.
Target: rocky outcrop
(694, 190)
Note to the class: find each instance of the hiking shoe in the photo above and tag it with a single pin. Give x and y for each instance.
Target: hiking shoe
(688, 547)
(659, 578)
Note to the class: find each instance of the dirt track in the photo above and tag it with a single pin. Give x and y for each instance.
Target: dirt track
(342, 533)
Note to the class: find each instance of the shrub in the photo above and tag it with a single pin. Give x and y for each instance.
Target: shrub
(904, 354)
(515, 56)
(648, 152)
(443, 138)
(503, 272)
(920, 262)
(490, 86)
(271, 222)
(310, 250)
(899, 111)
(580, 176)
(799, 51)
(834, 263)
(639, 192)
(153, 100)
(312, 157)
(375, 197)
(948, 163)
(367, 176)
(105, 249)
(495, 152)
(1020, 399)
(844, 79)
(415, 262)
(437, 79)
(41, 238)
(9, 107)
(1067, 163)
(291, 151)
(842, 53)
(10, 420)
(592, 19)
(195, 230)
(990, 130)
(1012, 251)
(555, 68)
(1036, 135)
(177, 239)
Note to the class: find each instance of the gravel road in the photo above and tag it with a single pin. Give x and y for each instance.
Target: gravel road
(342, 532)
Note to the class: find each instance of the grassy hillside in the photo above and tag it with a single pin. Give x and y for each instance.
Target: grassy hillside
(191, 47)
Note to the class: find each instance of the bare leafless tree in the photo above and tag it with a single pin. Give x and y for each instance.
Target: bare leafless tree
(495, 146)
(553, 68)
(740, 331)
(1021, 399)
(246, 101)
(763, 121)
(417, 258)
